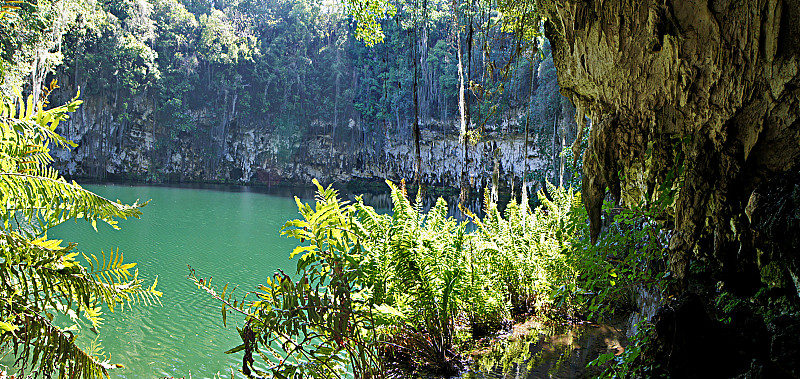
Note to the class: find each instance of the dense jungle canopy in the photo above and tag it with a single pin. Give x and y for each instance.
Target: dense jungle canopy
(175, 90)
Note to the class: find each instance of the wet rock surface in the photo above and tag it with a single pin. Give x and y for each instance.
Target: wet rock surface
(711, 88)
(774, 214)
(784, 346)
(694, 344)
(547, 350)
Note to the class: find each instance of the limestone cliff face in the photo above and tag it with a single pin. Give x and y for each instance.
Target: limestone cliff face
(255, 154)
(702, 91)
(132, 142)
(108, 144)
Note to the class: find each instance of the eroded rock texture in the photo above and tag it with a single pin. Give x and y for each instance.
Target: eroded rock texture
(710, 86)
(133, 139)
(702, 91)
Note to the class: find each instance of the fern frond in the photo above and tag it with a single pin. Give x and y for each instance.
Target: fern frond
(31, 121)
(370, 220)
(52, 351)
(44, 199)
(40, 277)
(46, 274)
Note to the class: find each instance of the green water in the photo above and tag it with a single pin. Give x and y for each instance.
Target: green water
(232, 236)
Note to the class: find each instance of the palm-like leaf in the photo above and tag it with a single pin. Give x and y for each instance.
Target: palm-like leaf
(53, 350)
(34, 196)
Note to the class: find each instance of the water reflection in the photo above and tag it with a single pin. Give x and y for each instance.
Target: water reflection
(546, 350)
(373, 196)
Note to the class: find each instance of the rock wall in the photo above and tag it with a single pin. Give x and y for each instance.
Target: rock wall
(259, 156)
(711, 87)
(693, 98)
(108, 144)
(132, 143)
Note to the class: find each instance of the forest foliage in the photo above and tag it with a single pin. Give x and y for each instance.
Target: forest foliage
(292, 68)
(371, 290)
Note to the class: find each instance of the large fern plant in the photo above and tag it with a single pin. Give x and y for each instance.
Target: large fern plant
(369, 288)
(424, 253)
(41, 278)
(321, 322)
(529, 250)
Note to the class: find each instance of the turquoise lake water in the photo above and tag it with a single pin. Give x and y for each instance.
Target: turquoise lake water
(232, 236)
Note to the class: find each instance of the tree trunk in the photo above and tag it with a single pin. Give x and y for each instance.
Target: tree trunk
(462, 106)
(417, 152)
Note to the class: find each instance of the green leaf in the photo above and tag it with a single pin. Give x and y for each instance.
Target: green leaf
(224, 315)
(389, 310)
(6, 327)
(301, 249)
(235, 349)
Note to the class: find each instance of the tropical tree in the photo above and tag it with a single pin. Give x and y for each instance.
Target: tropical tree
(41, 278)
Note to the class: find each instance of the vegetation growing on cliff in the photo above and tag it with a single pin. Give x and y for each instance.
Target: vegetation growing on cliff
(177, 73)
(376, 289)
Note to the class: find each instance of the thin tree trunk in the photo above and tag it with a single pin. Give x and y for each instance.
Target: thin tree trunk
(336, 99)
(465, 183)
(462, 107)
(528, 120)
(561, 158)
(415, 93)
(555, 142)
(153, 151)
(417, 152)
